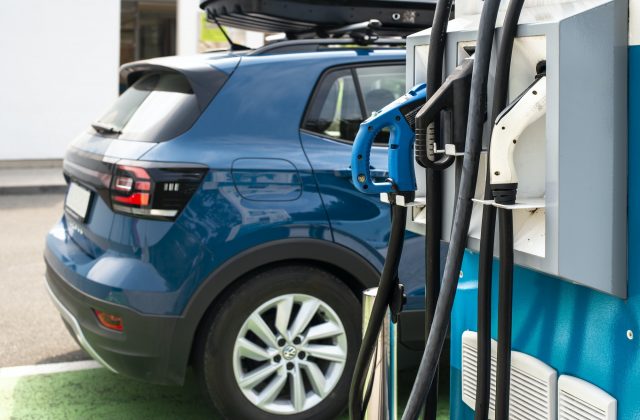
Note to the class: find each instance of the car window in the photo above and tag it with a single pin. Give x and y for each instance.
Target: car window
(336, 109)
(380, 85)
(158, 106)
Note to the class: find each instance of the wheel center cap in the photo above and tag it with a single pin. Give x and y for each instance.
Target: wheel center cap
(289, 352)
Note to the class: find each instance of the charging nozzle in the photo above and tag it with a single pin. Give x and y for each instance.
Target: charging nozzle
(399, 118)
(452, 97)
(509, 126)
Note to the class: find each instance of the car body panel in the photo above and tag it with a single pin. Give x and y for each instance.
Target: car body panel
(261, 202)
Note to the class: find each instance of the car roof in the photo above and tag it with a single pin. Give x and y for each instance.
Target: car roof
(199, 65)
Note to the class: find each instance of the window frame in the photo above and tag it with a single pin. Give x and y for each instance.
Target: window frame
(356, 81)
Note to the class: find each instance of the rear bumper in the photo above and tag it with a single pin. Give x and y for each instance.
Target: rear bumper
(142, 350)
(75, 330)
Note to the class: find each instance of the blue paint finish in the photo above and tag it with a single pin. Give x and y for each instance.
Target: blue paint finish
(260, 188)
(361, 221)
(266, 179)
(576, 330)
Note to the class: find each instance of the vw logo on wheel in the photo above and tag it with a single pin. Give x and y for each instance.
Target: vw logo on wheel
(289, 352)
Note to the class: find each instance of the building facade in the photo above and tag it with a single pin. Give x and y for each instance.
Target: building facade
(61, 60)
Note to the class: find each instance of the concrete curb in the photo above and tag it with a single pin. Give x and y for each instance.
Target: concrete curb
(33, 189)
(30, 177)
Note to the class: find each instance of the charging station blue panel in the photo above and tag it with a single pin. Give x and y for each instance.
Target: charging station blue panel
(576, 330)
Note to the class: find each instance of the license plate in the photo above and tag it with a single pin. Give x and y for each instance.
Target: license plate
(77, 201)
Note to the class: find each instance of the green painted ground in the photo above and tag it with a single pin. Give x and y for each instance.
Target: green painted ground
(101, 395)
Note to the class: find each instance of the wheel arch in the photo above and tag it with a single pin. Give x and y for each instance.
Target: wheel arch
(346, 264)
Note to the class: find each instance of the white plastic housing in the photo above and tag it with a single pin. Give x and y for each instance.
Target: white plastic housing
(579, 399)
(533, 383)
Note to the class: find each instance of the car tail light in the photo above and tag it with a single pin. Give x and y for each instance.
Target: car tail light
(158, 191)
(109, 321)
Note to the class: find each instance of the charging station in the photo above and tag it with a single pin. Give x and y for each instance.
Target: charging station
(572, 164)
(568, 303)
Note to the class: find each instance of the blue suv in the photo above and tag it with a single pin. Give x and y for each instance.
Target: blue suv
(210, 221)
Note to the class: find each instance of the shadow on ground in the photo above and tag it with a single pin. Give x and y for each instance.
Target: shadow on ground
(101, 395)
(72, 356)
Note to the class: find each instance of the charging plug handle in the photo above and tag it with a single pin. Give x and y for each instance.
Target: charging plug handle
(398, 118)
(452, 96)
(530, 106)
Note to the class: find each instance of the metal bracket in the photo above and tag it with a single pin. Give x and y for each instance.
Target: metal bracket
(400, 200)
(522, 204)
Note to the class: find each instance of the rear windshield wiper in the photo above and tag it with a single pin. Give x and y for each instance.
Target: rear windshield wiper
(103, 128)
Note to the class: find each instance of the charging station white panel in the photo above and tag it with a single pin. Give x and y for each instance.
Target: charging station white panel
(571, 164)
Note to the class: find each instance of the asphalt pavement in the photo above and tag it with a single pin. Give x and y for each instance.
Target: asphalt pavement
(31, 331)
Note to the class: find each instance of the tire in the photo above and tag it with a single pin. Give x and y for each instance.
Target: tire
(300, 382)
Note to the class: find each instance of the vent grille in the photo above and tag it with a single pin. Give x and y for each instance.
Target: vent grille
(578, 399)
(533, 383)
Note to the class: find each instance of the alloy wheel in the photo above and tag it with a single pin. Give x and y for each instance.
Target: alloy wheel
(289, 354)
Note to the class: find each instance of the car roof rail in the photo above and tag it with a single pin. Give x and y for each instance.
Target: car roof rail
(324, 44)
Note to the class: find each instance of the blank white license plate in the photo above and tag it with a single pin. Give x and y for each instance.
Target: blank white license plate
(78, 199)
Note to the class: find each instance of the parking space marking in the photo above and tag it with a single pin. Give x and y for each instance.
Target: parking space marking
(21, 371)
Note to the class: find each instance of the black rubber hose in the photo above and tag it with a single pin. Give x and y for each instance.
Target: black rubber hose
(424, 154)
(485, 272)
(505, 298)
(505, 301)
(462, 216)
(386, 289)
(432, 271)
(433, 216)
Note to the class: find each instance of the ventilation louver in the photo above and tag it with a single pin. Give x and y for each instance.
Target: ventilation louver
(533, 383)
(578, 399)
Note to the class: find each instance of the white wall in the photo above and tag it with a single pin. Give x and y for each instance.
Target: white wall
(187, 26)
(188, 30)
(58, 72)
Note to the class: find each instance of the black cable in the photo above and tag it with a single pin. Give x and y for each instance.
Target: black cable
(485, 272)
(505, 301)
(505, 298)
(433, 225)
(462, 216)
(500, 98)
(433, 215)
(386, 289)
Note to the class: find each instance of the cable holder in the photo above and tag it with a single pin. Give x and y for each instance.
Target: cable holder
(402, 199)
(522, 203)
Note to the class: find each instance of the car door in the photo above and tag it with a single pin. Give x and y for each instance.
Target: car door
(343, 98)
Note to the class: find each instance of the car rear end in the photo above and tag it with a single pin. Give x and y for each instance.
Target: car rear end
(120, 259)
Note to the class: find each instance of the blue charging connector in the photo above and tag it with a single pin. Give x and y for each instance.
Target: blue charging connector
(399, 117)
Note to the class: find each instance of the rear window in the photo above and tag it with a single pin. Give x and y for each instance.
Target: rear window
(158, 106)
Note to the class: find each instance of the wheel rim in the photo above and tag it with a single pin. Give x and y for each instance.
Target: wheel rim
(289, 354)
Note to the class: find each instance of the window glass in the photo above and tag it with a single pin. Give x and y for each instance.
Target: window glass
(156, 107)
(335, 111)
(381, 85)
